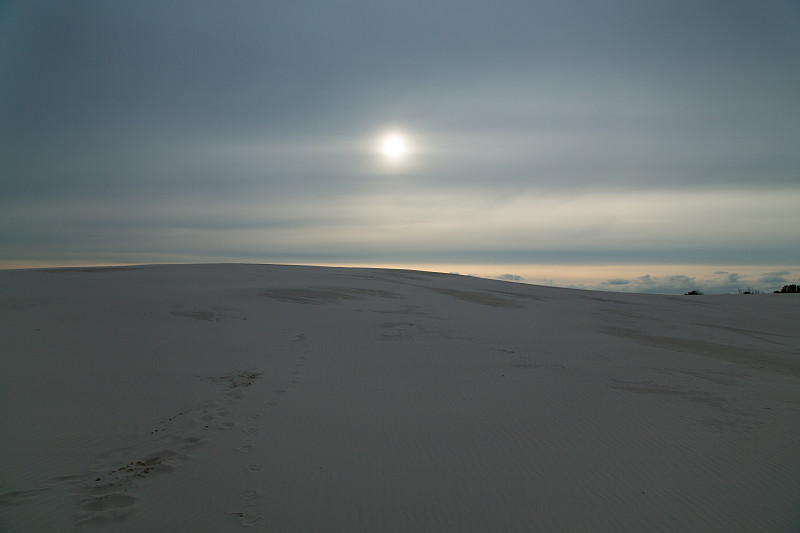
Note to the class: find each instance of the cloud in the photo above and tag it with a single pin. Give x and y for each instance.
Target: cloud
(775, 277)
(647, 283)
(675, 284)
(247, 129)
(510, 277)
(723, 282)
(733, 281)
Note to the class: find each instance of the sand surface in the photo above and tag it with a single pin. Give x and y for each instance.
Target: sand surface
(219, 397)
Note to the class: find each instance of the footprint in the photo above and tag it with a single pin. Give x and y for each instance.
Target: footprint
(249, 494)
(112, 507)
(249, 516)
(102, 497)
(191, 442)
(245, 446)
(114, 500)
(18, 497)
(208, 415)
(66, 480)
(234, 395)
(110, 458)
(103, 517)
(107, 488)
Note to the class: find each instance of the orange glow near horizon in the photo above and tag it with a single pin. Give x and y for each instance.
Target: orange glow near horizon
(555, 275)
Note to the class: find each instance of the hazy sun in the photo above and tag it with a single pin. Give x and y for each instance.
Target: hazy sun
(393, 146)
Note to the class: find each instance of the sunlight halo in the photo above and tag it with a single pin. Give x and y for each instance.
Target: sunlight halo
(393, 146)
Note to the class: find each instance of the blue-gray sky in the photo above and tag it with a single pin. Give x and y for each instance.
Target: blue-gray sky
(540, 132)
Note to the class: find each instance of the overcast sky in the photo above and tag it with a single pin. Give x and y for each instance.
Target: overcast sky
(539, 132)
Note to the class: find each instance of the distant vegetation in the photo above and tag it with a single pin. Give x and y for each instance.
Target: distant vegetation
(790, 288)
(750, 290)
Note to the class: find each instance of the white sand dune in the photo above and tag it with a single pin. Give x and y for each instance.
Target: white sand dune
(212, 397)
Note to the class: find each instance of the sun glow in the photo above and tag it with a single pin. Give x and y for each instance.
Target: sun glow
(393, 146)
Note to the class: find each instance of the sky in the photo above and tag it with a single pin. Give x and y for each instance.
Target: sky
(618, 145)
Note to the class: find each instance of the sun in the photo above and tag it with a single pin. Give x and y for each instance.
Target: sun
(393, 146)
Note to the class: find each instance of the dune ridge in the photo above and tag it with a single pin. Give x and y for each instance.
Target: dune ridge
(290, 398)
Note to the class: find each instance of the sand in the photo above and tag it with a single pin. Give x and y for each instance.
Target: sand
(286, 398)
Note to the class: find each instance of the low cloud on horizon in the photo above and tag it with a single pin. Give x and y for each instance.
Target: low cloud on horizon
(704, 280)
(726, 283)
(510, 277)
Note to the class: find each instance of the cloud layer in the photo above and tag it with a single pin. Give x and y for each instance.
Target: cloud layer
(591, 132)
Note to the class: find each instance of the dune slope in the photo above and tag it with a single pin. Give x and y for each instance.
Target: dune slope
(214, 397)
